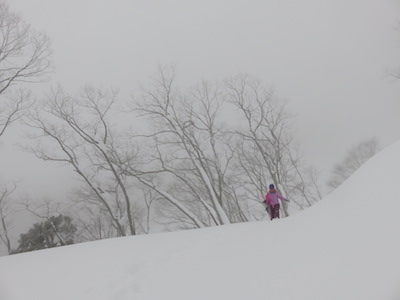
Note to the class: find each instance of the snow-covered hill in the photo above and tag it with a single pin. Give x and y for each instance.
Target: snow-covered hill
(345, 247)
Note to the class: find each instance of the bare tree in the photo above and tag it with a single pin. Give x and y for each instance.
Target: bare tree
(144, 213)
(191, 146)
(94, 222)
(206, 175)
(5, 214)
(77, 131)
(24, 57)
(355, 157)
(267, 152)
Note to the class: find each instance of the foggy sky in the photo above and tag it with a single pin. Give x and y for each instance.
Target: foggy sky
(327, 58)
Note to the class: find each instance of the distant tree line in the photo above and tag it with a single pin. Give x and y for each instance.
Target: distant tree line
(355, 157)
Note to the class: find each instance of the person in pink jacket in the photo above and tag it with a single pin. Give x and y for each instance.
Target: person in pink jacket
(272, 201)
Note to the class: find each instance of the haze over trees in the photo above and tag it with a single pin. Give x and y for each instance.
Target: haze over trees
(191, 168)
(355, 157)
(203, 157)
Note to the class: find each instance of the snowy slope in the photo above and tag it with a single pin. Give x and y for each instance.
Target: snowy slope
(345, 247)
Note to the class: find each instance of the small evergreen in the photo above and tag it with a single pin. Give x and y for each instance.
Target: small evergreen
(55, 231)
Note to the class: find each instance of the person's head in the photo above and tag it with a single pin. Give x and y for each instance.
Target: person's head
(271, 187)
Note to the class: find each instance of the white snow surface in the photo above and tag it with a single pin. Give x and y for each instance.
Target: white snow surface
(345, 247)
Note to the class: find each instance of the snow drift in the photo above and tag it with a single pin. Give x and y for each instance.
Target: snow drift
(345, 247)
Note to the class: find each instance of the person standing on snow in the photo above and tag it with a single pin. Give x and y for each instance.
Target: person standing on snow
(272, 201)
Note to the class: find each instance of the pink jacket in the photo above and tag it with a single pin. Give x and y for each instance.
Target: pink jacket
(272, 198)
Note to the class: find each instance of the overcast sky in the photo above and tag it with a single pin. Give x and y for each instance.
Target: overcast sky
(327, 58)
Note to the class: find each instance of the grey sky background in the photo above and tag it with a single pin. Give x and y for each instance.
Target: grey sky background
(327, 58)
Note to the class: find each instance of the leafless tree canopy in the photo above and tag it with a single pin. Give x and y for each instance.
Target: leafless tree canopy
(77, 132)
(24, 57)
(221, 171)
(268, 152)
(194, 166)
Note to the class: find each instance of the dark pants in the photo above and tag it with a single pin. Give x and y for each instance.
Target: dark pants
(274, 211)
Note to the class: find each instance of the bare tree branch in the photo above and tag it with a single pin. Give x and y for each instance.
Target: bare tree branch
(5, 213)
(24, 57)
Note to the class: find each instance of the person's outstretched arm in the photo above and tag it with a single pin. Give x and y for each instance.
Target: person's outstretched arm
(282, 198)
